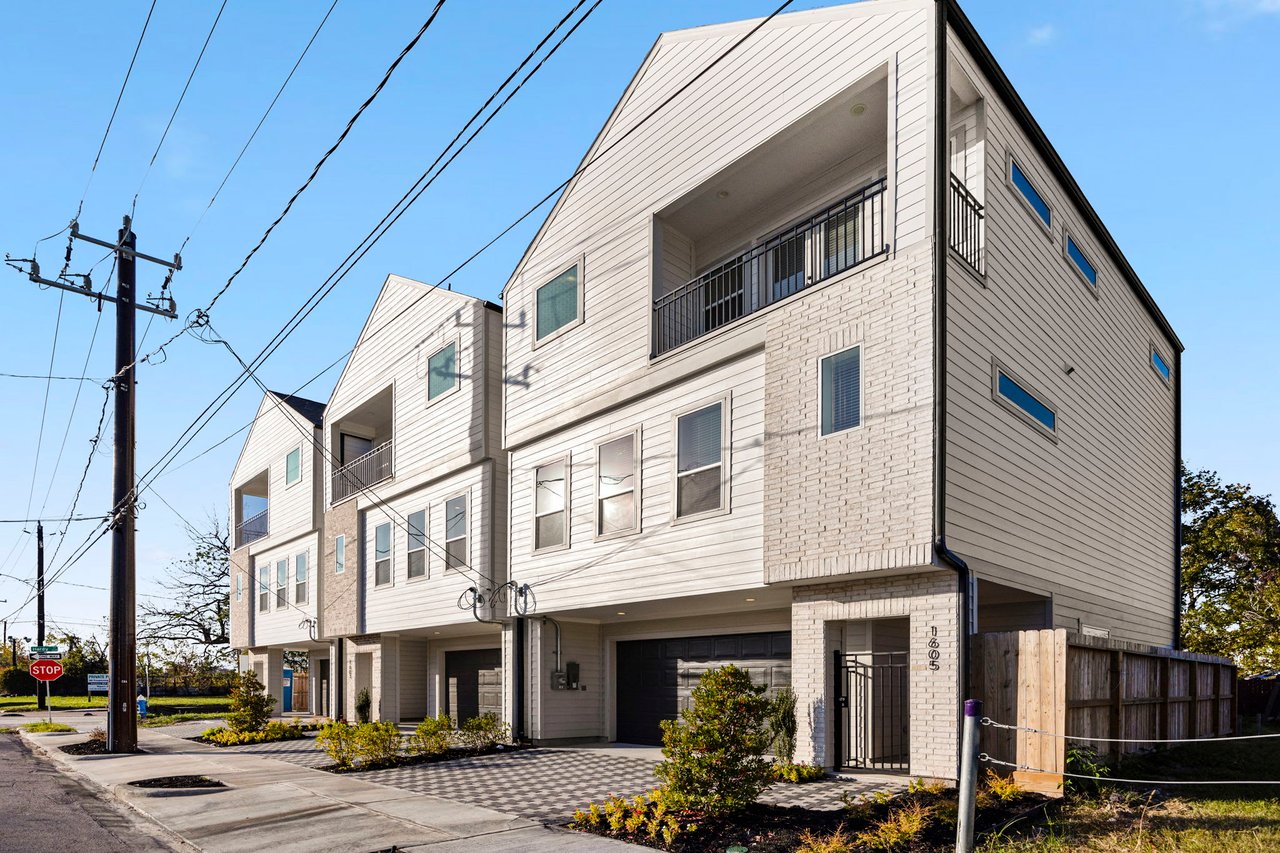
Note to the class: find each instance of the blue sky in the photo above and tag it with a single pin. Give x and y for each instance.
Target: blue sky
(1165, 112)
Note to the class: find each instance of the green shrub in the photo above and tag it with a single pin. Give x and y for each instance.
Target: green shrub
(483, 732)
(98, 735)
(364, 705)
(797, 773)
(17, 682)
(648, 816)
(899, 831)
(782, 725)
(271, 732)
(997, 789)
(432, 736)
(377, 743)
(339, 743)
(714, 752)
(836, 841)
(250, 704)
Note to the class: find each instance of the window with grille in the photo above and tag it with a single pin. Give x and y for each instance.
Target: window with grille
(699, 461)
(551, 505)
(616, 486)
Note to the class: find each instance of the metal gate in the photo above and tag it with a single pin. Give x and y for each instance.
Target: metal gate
(871, 693)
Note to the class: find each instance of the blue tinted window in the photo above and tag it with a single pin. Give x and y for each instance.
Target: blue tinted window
(1081, 262)
(1025, 400)
(1029, 192)
(1159, 364)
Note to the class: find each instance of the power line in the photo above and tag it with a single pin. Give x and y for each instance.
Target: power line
(181, 97)
(258, 127)
(54, 378)
(71, 418)
(68, 519)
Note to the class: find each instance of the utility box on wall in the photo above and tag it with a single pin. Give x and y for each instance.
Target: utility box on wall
(567, 678)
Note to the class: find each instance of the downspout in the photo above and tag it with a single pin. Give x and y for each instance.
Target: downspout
(1177, 497)
(338, 702)
(518, 685)
(546, 619)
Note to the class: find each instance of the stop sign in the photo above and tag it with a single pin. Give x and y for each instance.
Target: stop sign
(46, 670)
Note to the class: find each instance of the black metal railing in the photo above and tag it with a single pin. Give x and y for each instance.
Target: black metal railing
(252, 529)
(836, 239)
(356, 475)
(966, 225)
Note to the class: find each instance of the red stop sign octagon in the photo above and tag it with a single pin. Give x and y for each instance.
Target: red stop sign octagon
(46, 670)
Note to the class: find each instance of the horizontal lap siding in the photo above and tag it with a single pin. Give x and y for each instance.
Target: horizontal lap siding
(281, 625)
(1088, 520)
(277, 430)
(662, 560)
(778, 75)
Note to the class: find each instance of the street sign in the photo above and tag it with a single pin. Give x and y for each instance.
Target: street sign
(46, 670)
(47, 656)
(98, 682)
(36, 650)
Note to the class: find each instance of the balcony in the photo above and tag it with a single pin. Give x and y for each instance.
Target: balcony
(966, 225)
(253, 529)
(365, 471)
(832, 241)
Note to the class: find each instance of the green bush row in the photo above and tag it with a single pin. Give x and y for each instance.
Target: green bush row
(373, 744)
(272, 731)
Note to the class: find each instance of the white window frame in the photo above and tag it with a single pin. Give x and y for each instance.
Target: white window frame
(1009, 160)
(998, 367)
(581, 263)
(457, 365)
(1151, 362)
(305, 583)
(409, 551)
(634, 434)
(282, 584)
(297, 450)
(726, 459)
(340, 553)
(568, 501)
(239, 585)
(1067, 238)
(264, 587)
(444, 513)
(391, 554)
(862, 389)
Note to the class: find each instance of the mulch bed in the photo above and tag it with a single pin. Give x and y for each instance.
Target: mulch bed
(453, 754)
(178, 782)
(89, 747)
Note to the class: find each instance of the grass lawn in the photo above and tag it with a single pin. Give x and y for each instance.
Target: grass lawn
(1190, 818)
(159, 706)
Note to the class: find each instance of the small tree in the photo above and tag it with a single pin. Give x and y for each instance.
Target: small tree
(364, 704)
(782, 725)
(715, 750)
(250, 704)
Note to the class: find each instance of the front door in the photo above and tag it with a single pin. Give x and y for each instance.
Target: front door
(473, 683)
(322, 686)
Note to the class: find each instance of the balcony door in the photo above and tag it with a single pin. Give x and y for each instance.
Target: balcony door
(353, 447)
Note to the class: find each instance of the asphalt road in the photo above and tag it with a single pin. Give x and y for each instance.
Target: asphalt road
(46, 811)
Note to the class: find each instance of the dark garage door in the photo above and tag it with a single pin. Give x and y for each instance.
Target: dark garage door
(655, 677)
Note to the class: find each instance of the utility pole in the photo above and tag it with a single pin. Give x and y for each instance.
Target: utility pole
(122, 712)
(41, 698)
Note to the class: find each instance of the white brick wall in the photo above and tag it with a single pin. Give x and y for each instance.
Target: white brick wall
(929, 598)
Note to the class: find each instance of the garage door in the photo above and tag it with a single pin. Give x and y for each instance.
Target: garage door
(655, 678)
(474, 683)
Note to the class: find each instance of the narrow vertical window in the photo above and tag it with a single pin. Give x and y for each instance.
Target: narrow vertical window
(293, 466)
(339, 554)
(442, 371)
(550, 505)
(455, 532)
(556, 303)
(239, 586)
(841, 391)
(1029, 193)
(699, 466)
(616, 486)
(382, 554)
(282, 584)
(418, 544)
(264, 589)
(300, 579)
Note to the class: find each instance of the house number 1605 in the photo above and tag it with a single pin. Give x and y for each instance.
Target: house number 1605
(934, 647)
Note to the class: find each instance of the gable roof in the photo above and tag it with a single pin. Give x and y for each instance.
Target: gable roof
(309, 409)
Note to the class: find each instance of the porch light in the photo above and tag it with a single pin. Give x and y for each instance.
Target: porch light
(622, 613)
(858, 109)
(750, 599)
(722, 194)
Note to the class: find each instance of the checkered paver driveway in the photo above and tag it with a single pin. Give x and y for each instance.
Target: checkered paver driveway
(547, 784)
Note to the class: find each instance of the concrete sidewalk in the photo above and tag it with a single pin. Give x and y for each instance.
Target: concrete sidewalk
(270, 804)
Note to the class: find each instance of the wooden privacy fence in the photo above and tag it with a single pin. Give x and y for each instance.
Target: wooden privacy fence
(1061, 683)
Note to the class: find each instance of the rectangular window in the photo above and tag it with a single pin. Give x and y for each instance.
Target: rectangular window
(1082, 263)
(264, 588)
(418, 544)
(382, 554)
(442, 371)
(339, 554)
(841, 391)
(282, 584)
(1029, 192)
(616, 486)
(1161, 366)
(550, 505)
(455, 532)
(239, 586)
(1012, 392)
(556, 302)
(300, 579)
(293, 466)
(699, 465)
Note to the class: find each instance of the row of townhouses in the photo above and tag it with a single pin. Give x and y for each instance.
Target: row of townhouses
(821, 368)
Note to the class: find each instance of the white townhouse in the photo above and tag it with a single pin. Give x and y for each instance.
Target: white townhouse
(414, 497)
(821, 368)
(276, 523)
